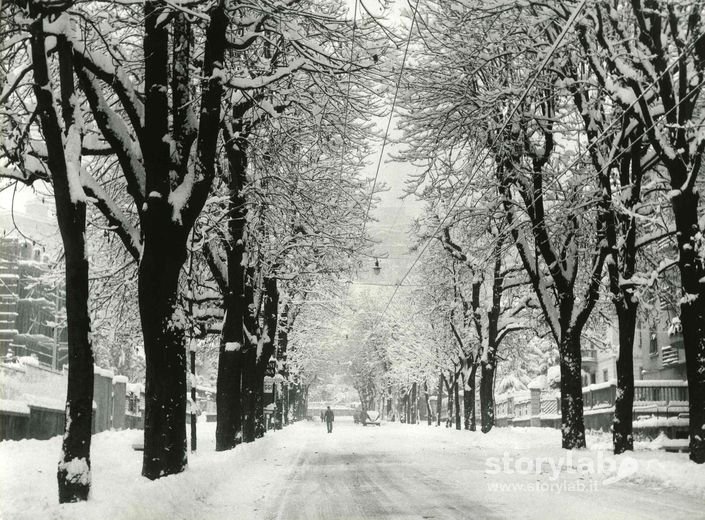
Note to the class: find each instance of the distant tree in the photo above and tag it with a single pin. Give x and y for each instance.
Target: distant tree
(495, 305)
(490, 119)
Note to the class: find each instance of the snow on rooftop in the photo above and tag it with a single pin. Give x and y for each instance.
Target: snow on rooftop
(103, 372)
(538, 383)
(660, 422)
(49, 403)
(600, 386)
(660, 382)
(135, 388)
(14, 407)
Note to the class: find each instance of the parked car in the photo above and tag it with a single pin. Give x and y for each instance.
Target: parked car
(372, 418)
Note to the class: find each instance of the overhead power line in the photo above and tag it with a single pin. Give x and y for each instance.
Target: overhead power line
(475, 165)
(389, 121)
(478, 162)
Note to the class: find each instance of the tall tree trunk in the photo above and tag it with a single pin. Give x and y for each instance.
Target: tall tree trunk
(295, 403)
(79, 397)
(164, 344)
(621, 268)
(270, 310)
(449, 390)
(456, 398)
(469, 400)
(304, 402)
(467, 407)
(282, 345)
(163, 255)
(624, 402)
(288, 418)
(692, 269)
(473, 416)
(277, 403)
(407, 406)
(228, 430)
(428, 403)
(232, 357)
(249, 367)
(389, 404)
(285, 404)
(487, 373)
(73, 473)
(439, 402)
(573, 426)
(414, 404)
(247, 395)
(260, 426)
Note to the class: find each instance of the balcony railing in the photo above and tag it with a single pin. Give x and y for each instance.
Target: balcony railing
(589, 355)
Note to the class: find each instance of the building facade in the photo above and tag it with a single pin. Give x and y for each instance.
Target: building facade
(32, 311)
(659, 353)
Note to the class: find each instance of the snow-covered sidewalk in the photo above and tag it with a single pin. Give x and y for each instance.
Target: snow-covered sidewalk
(28, 479)
(509, 468)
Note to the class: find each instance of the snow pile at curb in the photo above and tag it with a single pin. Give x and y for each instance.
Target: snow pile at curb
(28, 480)
(647, 466)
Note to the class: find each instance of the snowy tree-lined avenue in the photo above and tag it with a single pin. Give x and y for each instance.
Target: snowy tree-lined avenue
(214, 171)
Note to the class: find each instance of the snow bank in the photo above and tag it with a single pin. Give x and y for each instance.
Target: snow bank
(28, 479)
(28, 360)
(647, 466)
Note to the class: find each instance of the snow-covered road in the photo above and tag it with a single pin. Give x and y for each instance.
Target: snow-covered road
(362, 473)
(392, 471)
(399, 471)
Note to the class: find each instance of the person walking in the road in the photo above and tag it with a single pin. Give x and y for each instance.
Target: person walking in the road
(329, 419)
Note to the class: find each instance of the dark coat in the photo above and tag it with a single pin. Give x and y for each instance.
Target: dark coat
(330, 417)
